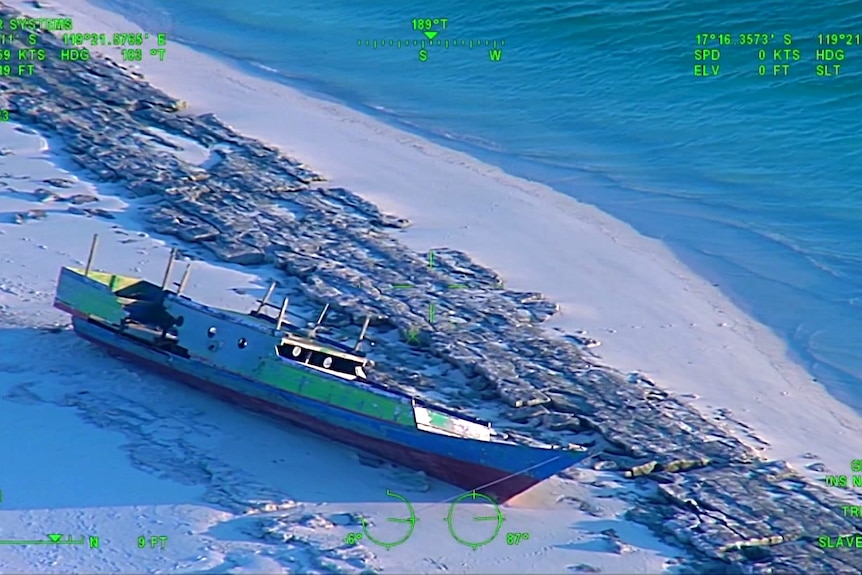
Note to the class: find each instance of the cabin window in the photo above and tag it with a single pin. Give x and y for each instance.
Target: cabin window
(242, 343)
(321, 359)
(211, 332)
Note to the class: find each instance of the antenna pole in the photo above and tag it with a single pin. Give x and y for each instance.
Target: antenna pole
(169, 269)
(313, 332)
(281, 313)
(265, 299)
(323, 314)
(362, 333)
(185, 279)
(92, 255)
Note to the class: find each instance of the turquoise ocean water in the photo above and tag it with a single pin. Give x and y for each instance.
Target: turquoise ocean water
(754, 180)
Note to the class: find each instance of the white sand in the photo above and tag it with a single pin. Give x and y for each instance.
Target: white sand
(651, 313)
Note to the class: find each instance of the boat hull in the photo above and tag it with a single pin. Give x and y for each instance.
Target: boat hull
(432, 453)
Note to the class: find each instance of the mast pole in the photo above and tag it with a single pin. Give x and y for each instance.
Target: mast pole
(185, 279)
(362, 333)
(323, 313)
(265, 299)
(281, 313)
(313, 332)
(169, 269)
(91, 255)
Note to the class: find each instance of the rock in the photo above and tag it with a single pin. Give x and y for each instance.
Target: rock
(644, 469)
(239, 254)
(21, 217)
(563, 422)
(45, 196)
(583, 341)
(345, 519)
(60, 182)
(524, 414)
(615, 544)
(583, 568)
(518, 395)
(102, 213)
(565, 403)
(78, 199)
(480, 383)
(388, 221)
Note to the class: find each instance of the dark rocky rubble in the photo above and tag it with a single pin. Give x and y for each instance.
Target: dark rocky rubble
(712, 495)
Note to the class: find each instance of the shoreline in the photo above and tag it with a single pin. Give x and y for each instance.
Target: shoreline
(702, 242)
(635, 330)
(522, 201)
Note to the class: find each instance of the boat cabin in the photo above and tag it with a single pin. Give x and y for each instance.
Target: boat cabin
(172, 323)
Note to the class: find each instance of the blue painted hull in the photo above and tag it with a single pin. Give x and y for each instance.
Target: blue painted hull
(501, 470)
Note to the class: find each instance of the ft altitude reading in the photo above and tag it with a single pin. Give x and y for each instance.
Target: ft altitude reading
(776, 54)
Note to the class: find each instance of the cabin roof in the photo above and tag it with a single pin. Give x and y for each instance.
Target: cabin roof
(216, 312)
(317, 344)
(319, 341)
(263, 323)
(114, 281)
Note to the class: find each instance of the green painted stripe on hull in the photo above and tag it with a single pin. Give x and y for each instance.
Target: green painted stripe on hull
(276, 373)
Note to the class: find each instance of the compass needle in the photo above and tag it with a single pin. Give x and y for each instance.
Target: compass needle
(475, 497)
(411, 521)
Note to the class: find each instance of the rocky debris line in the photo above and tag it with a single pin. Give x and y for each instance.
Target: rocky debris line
(714, 495)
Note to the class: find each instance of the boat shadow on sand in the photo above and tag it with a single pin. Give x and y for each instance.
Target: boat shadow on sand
(241, 460)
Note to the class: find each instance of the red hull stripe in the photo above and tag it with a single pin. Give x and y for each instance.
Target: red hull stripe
(463, 474)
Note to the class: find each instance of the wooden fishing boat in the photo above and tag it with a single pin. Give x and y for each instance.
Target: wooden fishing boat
(262, 361)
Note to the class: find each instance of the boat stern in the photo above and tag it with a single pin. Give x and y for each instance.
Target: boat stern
(92, 294)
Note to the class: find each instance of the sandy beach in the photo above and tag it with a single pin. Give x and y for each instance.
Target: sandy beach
(651, 314)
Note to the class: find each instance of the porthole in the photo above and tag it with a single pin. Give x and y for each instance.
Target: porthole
(212, 347)
(211, 332)
(180, 321)
(296, 351)
(241, 343)
(327, 363)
